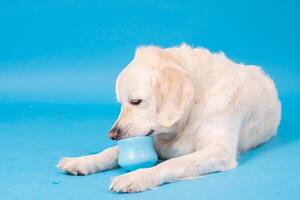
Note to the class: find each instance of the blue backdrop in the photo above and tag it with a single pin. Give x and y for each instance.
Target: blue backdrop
(58, 64)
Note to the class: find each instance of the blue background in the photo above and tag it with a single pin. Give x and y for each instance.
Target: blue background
(58, 64)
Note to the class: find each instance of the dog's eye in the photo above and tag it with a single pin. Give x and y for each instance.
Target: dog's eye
(135, 101)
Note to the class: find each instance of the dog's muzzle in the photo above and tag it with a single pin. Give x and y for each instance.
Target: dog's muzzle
(115, 133)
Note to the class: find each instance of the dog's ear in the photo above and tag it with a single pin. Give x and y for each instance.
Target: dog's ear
(173, 93)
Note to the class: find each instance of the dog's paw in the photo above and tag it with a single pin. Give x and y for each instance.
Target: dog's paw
(77, 166)
(136, 181)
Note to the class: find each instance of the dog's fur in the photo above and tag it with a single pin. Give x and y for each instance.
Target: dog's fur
(202, 109)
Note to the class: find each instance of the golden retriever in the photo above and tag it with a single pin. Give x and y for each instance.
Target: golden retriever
(201, 108)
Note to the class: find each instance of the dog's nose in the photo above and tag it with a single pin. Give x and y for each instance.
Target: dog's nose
(115, 133)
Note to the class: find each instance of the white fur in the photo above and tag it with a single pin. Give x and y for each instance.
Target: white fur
(227, 108)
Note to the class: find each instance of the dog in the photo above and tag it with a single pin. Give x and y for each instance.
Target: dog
(202, 109)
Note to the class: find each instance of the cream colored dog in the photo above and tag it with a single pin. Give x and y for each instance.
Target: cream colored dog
(202, 109)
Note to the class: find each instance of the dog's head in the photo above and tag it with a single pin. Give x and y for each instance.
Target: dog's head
(155, 95)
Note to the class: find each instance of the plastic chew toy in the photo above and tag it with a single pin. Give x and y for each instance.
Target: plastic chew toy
(136, 152)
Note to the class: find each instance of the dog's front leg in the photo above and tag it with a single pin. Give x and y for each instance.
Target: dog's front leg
(209, 159)
(90, 164)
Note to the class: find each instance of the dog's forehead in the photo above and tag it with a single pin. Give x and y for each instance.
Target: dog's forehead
(134, 75)
(134, 81)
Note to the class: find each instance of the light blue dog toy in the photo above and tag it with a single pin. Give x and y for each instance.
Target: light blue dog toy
(136, 152)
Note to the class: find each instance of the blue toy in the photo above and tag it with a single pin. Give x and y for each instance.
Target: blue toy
(136, 152)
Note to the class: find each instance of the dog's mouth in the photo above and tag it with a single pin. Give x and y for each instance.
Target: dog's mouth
(150, 132)
(118, 133)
